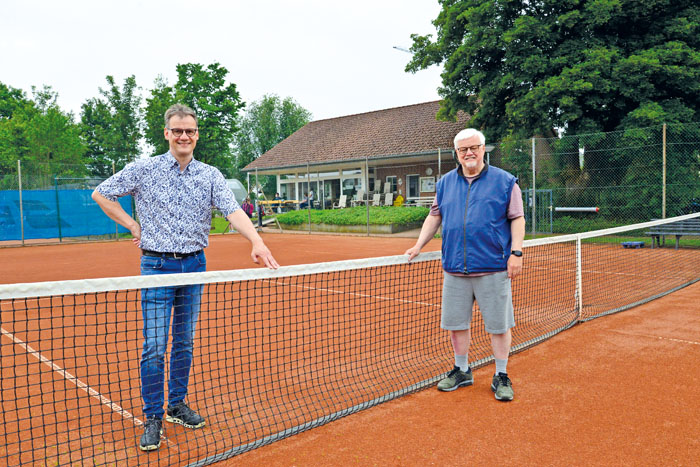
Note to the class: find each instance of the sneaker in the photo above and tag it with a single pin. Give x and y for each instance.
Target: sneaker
(456, 379)
(502, 387)
(152, 429)
(185, 416)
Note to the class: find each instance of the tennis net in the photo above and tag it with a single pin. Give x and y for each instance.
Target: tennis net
(280, 352)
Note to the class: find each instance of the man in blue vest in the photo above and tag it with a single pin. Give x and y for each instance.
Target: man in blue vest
(480, 209)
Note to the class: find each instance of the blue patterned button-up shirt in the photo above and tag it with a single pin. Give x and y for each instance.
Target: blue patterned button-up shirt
(174, 207)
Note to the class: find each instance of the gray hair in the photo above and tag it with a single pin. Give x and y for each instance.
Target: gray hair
(468, 133)
(181, 111)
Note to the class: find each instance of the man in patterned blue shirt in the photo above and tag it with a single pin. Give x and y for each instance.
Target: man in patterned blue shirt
(174, 194)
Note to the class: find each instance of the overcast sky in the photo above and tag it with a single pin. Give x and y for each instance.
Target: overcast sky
(334, 58)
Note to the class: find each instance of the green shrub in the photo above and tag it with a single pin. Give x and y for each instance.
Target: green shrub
(381, 215)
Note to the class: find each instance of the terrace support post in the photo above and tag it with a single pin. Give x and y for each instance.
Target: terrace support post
(308, 202)
(663, 173)
(439, 165)
(367, 190)
(534, 191)
(21, 208)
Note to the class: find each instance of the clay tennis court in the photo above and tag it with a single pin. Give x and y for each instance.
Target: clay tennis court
(616, 389)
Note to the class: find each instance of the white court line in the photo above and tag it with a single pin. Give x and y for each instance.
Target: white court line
(65, 374)
(681, 341)
(591, 271)
(378, 297)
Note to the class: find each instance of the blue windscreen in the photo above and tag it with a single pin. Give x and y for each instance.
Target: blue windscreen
(79, 215)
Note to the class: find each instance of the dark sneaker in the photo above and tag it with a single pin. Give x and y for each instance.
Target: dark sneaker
(502, 387)
(184, 416)
(455, 379)
(152, 429)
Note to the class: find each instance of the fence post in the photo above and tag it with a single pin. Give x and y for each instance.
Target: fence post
(534, 191)
(21, 206)
(58, 208)
(663, 176)
(116, 225)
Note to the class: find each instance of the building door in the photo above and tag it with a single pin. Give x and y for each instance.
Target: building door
(412, 186)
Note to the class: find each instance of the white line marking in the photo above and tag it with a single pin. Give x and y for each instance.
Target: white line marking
(378, 297)
(115, 407)
(682, 341)
(65, 374)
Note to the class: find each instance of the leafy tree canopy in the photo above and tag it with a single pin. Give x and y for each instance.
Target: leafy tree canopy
(111, 126)
(267, 122)
(216, 103)
(524, 67)
(43, 137)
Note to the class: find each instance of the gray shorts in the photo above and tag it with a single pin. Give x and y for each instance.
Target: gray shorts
(493, 295)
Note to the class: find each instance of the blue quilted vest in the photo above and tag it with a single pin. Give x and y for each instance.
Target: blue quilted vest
(475, 228)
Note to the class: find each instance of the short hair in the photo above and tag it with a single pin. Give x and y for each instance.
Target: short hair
(181, 111)
(468, 133)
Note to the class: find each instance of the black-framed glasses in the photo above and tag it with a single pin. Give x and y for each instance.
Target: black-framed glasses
(466, 149)
(179, 131)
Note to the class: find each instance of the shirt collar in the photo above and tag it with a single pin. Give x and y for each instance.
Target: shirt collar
(483, 171)
(193, 166)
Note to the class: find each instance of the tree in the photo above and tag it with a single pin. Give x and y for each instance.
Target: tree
(44, 138)
(216, 104)
(520, 68)
(112, 127)
(10, 100)
(266, 123)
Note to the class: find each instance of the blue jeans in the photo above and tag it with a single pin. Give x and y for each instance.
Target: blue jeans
(156, 306)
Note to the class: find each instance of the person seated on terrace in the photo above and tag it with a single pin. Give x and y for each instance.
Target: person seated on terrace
(305, 202)
(279, 204)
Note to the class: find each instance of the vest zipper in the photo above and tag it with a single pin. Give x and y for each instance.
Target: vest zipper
(466, 211)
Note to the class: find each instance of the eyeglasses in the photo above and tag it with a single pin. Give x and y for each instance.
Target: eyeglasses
(469, 148)
(190, 132)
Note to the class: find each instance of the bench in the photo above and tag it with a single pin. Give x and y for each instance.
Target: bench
(425, 201)
(678, 228)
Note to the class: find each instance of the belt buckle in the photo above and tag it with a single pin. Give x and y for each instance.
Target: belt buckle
(178, 255)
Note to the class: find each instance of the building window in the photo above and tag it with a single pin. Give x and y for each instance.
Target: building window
(392, 180)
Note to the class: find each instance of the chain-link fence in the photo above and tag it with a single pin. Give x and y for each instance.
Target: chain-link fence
(606, 179)
(52, 202)
(581, 183)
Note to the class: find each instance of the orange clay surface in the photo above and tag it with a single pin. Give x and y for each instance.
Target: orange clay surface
(230, 251)
(618, 390)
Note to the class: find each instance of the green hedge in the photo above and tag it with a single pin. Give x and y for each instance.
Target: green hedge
(380, 215)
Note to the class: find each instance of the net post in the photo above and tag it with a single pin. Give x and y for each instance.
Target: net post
(579, 278)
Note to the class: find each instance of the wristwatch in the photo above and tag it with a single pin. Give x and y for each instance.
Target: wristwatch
(517, 253)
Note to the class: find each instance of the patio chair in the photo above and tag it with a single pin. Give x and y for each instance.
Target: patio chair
(342, 202)
(377, 199)
(359, 198)
(387, 187)
(389, 199)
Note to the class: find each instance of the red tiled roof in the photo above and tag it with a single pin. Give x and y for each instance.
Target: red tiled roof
(400, 130)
